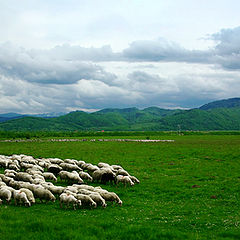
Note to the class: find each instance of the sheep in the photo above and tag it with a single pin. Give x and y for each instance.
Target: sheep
(69, 199)
(69, 167)
(5, 178)
(10, 171)
(103, 175)
(5, 194)
(86, 200)
(2, 184)
(29, 194)
(134, 179)
(73, 176)
(43, 194)
(9, 174)
(55, 160)
(54, 168)
(101, 165)
(126, 180)
(56, 189)
(24, 177)
(85, 191)
(96, 197)
(122, 172)
(13, 166)
(85, 176)
(110, 196)
(49, 176)
(83, 186)
(116, 167)
(71, 189)
(21, 197)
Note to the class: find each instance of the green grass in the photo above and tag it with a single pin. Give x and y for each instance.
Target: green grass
(165, 205)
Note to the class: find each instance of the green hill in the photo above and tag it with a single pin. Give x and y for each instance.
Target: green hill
(219, 115)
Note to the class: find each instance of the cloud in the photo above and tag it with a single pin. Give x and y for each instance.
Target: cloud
(162, 50)
(42, 68)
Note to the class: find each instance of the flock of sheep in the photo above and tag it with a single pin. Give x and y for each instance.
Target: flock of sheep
(24, 180)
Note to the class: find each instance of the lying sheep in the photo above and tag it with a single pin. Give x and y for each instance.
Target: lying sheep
(126, 180)
(21, 197)
(69, 199)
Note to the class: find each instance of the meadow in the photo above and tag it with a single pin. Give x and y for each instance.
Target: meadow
(189, 190)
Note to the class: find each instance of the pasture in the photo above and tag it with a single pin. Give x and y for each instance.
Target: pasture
(189, 190)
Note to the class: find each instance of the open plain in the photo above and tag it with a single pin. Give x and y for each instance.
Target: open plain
(189, 190)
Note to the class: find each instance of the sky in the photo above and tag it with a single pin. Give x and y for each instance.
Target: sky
(67, 55)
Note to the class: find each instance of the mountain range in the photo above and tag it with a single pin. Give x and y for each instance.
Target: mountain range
(218, 115)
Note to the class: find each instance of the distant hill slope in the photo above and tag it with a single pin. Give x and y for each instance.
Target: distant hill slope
(219, 115)
(226, 103)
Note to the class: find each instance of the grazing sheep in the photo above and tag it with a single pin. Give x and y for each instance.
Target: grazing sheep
(86, 200)
(126, 180)
(21, 197)
(111, 196)
(134, 179)
(85, 176)
(49, 176)
(55, 160)
(96, 197)
(23, 177)
(56, 189)
(85, 191)
(5, 194)
(10, 171)
(71, 189)
(83, 186)
(70, 167)
(116, 167)
(103, 175)
(122, 172)
(73, 176)
(29, 194)
(43, 194)
(69, 199)
(54, 168)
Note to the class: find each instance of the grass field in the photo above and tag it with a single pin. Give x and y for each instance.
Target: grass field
(189, 190)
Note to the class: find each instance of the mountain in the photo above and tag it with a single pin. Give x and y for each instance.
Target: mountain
(226, 103)
(218, 115)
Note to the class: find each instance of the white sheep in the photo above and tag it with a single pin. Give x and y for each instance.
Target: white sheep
(85, 176)
(126, 180)
(43, 194)
(5, 194)
(96, 197)
(29, 195)
(68, 199)
(49, 176)
(86, 200)
(21, 197)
